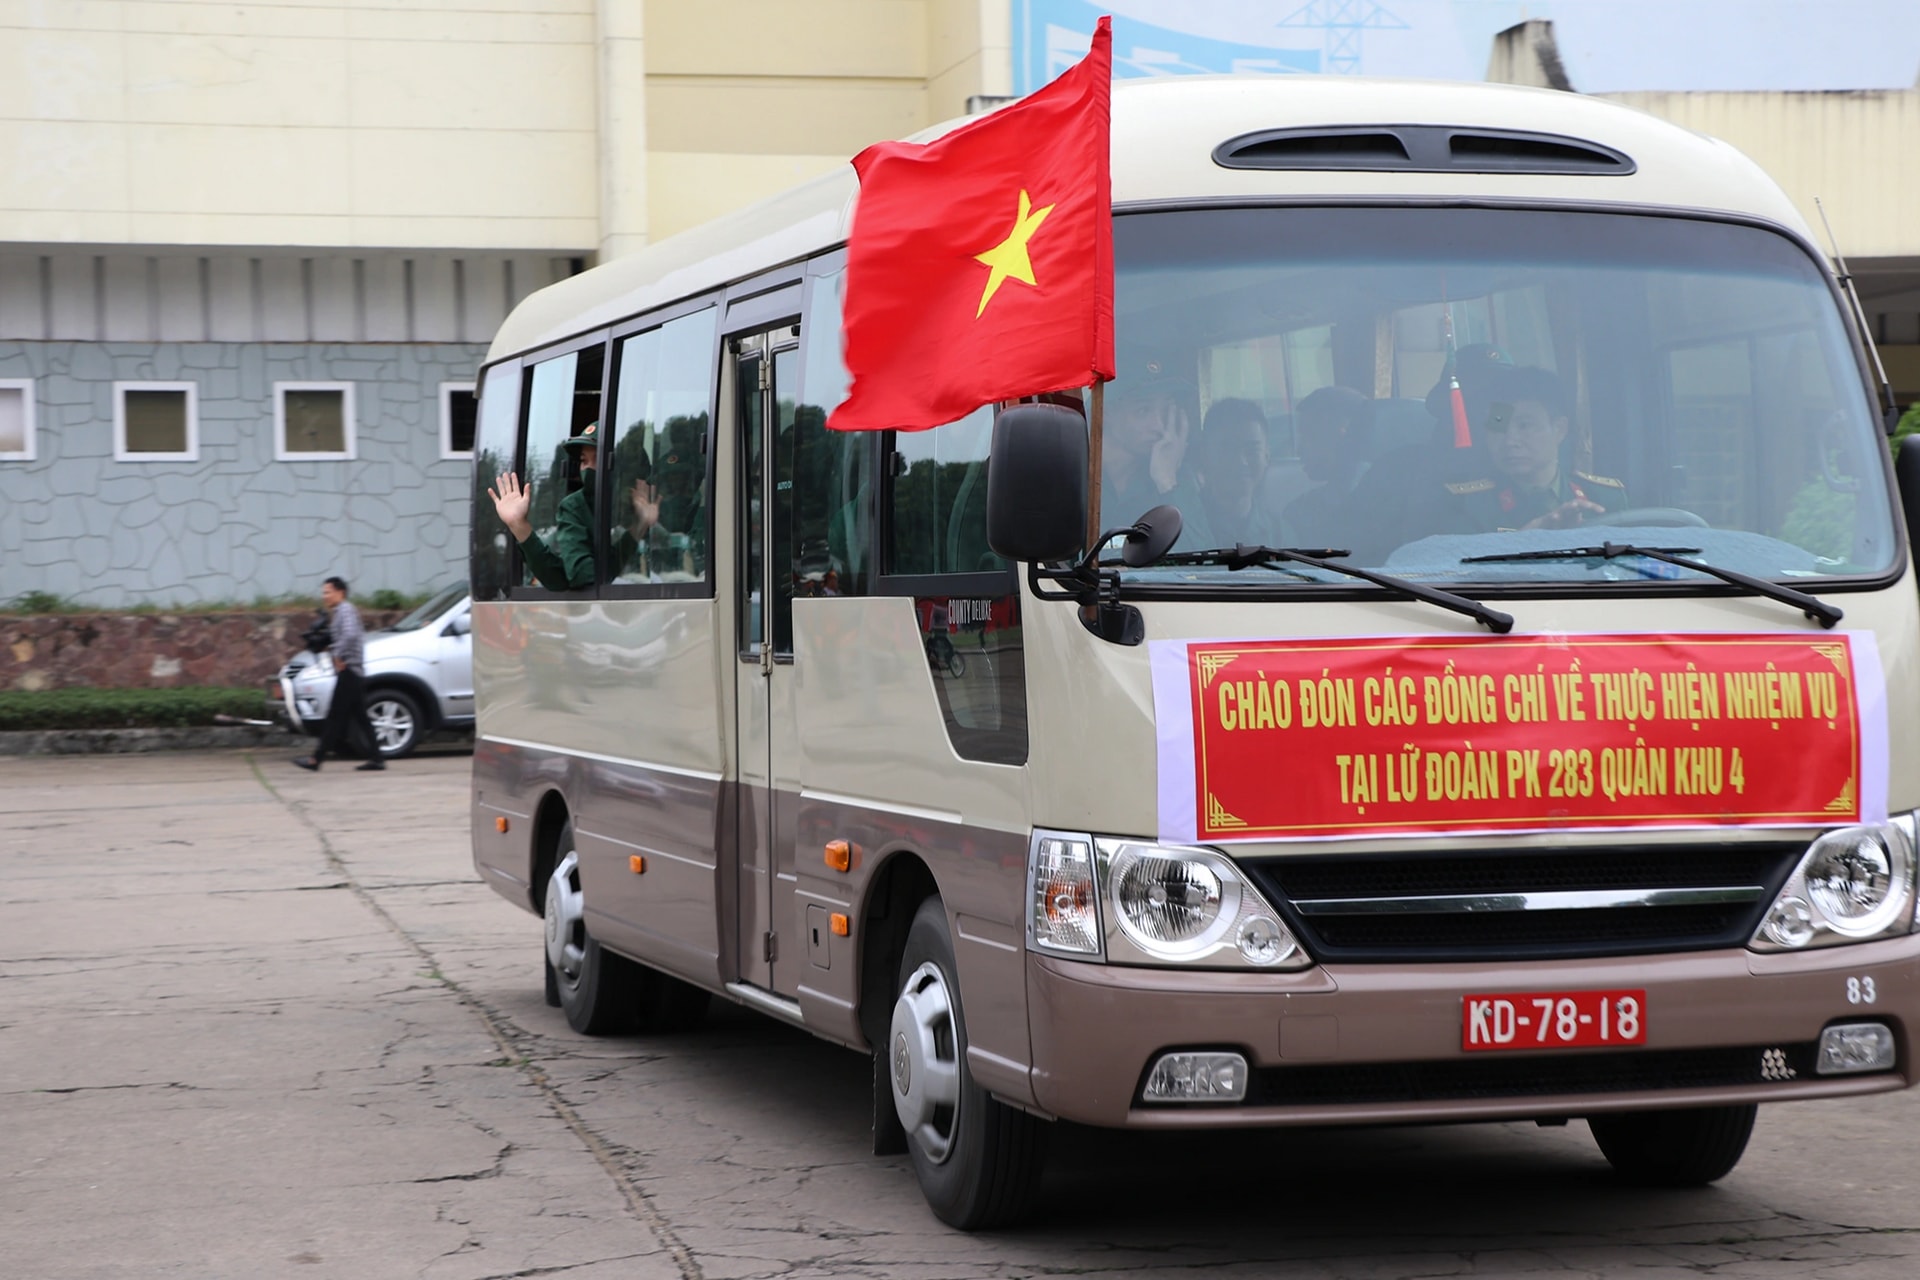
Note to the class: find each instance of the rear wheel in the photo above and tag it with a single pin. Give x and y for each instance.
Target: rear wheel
(598, 991)
(1674, 1148)
(978, 1160)
(396, 720)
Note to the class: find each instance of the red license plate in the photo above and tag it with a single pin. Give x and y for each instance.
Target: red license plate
(1552, 1019)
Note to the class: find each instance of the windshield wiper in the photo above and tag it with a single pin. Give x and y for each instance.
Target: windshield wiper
(1815, 608)
(1245, 557)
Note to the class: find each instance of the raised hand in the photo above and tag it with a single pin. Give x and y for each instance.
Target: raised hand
(646, 508)
(511, 501)
(1171, 448)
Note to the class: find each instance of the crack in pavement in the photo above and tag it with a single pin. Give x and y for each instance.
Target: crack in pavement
(506, 1036)
(102, 1088)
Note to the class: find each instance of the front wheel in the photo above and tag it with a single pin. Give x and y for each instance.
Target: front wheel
(396, 720)
(978, 1160)
(1674, 1148)
(598, 990)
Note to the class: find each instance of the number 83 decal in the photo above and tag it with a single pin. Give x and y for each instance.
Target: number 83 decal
(1860, 991)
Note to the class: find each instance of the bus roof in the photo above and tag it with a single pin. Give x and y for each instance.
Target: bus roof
(1165, 132)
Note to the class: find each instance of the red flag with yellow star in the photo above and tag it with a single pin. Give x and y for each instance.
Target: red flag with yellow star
(980, 266)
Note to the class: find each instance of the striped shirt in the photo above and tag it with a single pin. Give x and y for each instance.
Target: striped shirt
(349, 638)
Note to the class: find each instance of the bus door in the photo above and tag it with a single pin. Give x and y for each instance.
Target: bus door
(766, 378)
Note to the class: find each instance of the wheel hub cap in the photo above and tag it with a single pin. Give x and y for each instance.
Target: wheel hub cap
(566, 919)
(926, 1064)
(391, 724)
(902, 1065)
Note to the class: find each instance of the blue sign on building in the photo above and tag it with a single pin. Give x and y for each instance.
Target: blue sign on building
(1051, 35)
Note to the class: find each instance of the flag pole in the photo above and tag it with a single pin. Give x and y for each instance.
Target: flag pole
(1094, 464)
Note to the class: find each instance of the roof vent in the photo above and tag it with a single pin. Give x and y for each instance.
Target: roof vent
(1420, 148)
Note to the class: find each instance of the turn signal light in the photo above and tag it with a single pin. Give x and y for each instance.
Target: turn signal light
(637, 864)
(500, 824)
(840, 925)
(839, 855)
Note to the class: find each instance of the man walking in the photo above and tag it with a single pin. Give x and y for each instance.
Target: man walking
(349, 705)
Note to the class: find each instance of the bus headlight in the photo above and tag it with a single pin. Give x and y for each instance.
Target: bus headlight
(1173, 904)
(1170, 903)
(1135, 902)
(1854, 883)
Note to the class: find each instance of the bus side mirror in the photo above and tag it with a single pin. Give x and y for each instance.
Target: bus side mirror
(1037, 483)
(1906, 470)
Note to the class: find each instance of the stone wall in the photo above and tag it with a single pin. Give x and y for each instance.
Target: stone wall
(235, 523)
(153, 651)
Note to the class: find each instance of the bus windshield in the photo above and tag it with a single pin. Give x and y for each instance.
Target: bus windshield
(1424, 388)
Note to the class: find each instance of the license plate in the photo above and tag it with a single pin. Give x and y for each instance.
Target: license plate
(1553, 1019)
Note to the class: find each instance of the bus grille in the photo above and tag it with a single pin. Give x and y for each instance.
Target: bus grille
(1528, 904)
(1529, 1075)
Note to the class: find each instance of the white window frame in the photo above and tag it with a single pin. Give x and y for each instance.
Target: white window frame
(120, 451)
(25, 387)
(447, 451)
(350, 435)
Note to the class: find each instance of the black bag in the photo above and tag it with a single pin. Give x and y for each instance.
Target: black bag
(318, 636)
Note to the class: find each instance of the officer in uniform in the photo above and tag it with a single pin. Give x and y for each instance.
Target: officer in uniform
(568, 564)
(1528, 484)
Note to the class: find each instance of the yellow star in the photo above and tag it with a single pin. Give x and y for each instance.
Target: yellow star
(1009, 257)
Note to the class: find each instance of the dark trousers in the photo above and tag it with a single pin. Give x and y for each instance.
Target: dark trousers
(347, 713)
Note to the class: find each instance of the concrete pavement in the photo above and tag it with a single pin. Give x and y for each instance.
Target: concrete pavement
(256, 1022)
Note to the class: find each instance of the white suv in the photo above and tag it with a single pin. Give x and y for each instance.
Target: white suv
(419, 677)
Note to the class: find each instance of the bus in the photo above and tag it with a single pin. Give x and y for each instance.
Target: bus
(1490, 694)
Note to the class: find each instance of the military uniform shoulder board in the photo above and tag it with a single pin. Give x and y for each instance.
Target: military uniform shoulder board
(1471, 486)
(1607, 481)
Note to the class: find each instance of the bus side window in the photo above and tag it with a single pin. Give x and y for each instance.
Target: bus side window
(563, 403)
(940, 500)
(965, 599)
(658, 504)
(493, 454)
(833, 470)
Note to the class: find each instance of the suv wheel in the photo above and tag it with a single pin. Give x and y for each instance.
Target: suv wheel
(396, 720)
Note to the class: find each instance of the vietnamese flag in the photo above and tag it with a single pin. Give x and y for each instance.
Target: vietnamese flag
(980, 265)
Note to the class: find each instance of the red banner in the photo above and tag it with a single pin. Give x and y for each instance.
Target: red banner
(1295, 738)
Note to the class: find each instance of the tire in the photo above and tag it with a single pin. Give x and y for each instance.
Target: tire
(599, 992)
(978, 1160)
(397, 722)
(1674, 1148)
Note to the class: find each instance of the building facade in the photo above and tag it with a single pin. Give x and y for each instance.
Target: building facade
(251, 256)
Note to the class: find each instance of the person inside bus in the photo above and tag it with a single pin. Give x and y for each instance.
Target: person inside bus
(1144, 451)
(568, 564)
(1333, 430)
(1528, 483)
(1407, 494)
(1232, 475)
(663, 537)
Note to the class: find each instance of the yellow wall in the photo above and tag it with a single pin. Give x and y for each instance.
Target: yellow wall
(1853, 150)
(1903, 369)
(577, 125)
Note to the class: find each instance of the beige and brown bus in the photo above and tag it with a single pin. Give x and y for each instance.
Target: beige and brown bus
(1519, 724)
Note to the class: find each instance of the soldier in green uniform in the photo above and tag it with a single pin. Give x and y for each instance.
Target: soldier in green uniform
(1529, 485)
(568, 564)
